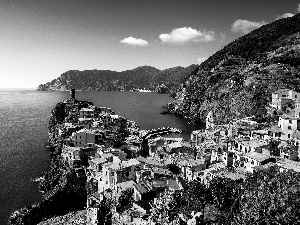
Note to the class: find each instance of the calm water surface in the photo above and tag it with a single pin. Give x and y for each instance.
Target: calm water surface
(24, 117)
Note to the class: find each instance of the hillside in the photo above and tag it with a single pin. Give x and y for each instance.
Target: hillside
(144, 77)
(238, 80)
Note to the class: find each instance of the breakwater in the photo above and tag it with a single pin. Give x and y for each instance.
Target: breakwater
(146, 134)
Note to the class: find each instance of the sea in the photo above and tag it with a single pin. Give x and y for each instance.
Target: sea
(24, 116)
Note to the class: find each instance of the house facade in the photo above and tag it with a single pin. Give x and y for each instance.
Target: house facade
(282, 97)
(289, 125)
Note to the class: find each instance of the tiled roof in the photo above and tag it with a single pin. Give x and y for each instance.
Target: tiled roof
(143, 187)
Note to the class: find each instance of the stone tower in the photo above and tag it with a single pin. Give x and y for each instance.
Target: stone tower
(72, 93)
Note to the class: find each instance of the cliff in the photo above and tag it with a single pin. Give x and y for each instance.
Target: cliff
(238, 80)
(144, 77)
(63, 188)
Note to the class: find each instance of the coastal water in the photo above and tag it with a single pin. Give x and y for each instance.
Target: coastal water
(24, 117)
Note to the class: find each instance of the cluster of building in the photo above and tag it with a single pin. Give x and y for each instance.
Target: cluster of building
(120, 156)
(116, 155)
(243, 145)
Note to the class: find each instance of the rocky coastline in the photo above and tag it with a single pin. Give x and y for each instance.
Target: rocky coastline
(64, 187)
(63, 190)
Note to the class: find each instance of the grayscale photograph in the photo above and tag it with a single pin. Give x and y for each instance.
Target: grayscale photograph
(150, 112)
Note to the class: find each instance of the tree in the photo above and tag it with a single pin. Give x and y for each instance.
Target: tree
(270, 197)
(125, 200)
(274, 150)
(84, 158)
(198, 195)
(224, 192)
(104, 212)
(170, 207)
(174, 169)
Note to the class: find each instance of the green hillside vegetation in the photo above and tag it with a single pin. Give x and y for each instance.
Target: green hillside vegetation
(238, 80)
(145, 77)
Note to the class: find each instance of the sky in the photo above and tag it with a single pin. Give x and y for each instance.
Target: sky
(40, 40)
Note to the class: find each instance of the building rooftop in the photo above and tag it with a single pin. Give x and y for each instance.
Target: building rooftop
(143, 187)
(260, 132)
(254, 143)
(149, 160)
(173, 184)
(296, 134)
(125, 185)
(280, 91)
(99, 160)
(88, 109)
(231, 175)
(275, 129)
(191, 162)
(289, 164)
(174, 139)
(288, 117)
(107, 155)
(175, 145)
(216, 166)
(130, 162)
(69, 148)
(163, 171)
(257, 156)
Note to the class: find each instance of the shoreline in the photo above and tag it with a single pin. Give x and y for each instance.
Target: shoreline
(53, 196)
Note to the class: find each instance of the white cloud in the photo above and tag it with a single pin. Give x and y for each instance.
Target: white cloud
(285, 15)
(201, 59)
(134, 42)
(187, 34)
(245, 26)
(298, 9)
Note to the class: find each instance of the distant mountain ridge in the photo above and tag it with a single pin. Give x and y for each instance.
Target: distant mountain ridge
(144, 77)
(238, 80)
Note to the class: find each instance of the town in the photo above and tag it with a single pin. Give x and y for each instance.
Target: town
(119, 157)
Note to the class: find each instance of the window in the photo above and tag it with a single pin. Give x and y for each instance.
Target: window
(290, 121)
(252, 162)
(289, 127)
(289, 136)
(295, 96)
